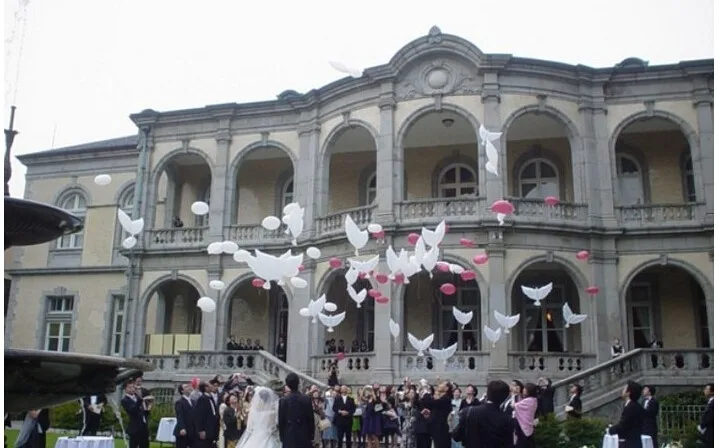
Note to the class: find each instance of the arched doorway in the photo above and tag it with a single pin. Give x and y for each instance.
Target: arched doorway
(539, 158)
(173, 322)
(257, 317)
(542, 328)
(184, 179)
(666, 304)
(427, 309)
(356, 333)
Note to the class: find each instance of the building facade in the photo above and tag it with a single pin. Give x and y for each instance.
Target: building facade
(627, 150)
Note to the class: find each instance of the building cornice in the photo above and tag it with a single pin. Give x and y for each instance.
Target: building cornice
(68, 270)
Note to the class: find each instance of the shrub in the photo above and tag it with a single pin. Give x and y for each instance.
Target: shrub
(684, 399)
(584, 432)
(548, 433)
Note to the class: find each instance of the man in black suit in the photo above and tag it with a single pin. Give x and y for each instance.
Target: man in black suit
(185, 427)
(629, 428)
(423, 424)
(574, 407)
(92, 411)
(651, 411)
(207, 418)
(296, 419)
(486, 426)
(706, 426)
(138, 413)
(344, 409)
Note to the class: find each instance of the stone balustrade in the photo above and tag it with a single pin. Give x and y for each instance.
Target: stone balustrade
(247, 234)
(434, 210)
(183, 237)
(551, 365)
(334, 223)
(537, 212)
(642, 215)
(355, 368)
(472, 363)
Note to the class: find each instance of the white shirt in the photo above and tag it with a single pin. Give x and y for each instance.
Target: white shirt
(344, 399)
(187, 397)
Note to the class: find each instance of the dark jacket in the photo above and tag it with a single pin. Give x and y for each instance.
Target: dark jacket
(440, 409)
(484, 426)
(707, 424)
(575, 403)
(137, 415)
(207, 418)
(464, 404)
(423, 425)
(232, 427)
(651, 411)
(185, 418)
(629, 428)
(296, 421)
(343, 421)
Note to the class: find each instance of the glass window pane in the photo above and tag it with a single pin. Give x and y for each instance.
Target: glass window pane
(529, 172)
(627, 166)
(546, 170)
(469, 296)
(529, 190)
(118, 323)
(52, 344)
(630, 190)
(78, 240)
(448, 321)
(465, 175)
(641, 316)
(449, 193)
(550, 187)
(53, 330)
(116, 345)
(450, 176)
(464, 191)
(66, 345)
(555, 340)
(66, 328)
(373, 182)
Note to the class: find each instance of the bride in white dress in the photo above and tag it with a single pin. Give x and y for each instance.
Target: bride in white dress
(262, 429)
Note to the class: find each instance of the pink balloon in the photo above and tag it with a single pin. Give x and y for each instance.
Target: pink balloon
(448, 289)
(382, 300)
(374, 293)
(335, 263)
(583, 255)
(301, 267)
(502, 206)
(466, 242)
(378, 235)
(412, 238)
(399, 278)
(381, 278)
(551, 201)
(480, 259)
(257, 282)
(592, 290)
(468, 275)
(442, 266)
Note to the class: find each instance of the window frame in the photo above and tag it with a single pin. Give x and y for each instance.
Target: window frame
(457, 185)
(546, 307)
(370, 190)
(649, 303)
(687, 172)
(118, 303)
(286, 196)
(64, 317)
(538, 178)
(80, 212)
(621, 176)
(444, 306)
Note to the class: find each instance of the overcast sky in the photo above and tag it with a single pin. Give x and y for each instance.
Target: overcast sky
(88, 64)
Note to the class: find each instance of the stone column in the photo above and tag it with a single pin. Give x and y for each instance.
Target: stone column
(704, 183)
(389, 163)
(210, 338)
(382, 371)
(609, 307)
(308, 185)
(398, 314)
(494, 185)
(219, 187)
(134, 333)
(298, 327)
(498, 356)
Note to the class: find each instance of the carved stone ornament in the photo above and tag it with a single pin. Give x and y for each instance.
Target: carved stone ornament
(435, 35)
(439, 77)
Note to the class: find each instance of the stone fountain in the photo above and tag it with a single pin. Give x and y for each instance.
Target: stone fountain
(37, 379)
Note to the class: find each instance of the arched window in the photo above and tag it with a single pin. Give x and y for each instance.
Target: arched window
(288, 192)
(544, 325)
(371, 190)
(538, 179)
(76, 204)
(629, 181)
(126, 203)
(466, 299)
(457, 180)
(690, 193)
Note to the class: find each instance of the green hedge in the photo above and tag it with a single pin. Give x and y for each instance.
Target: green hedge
(572, 433)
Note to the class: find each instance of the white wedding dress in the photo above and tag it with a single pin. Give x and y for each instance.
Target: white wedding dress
(262, 429)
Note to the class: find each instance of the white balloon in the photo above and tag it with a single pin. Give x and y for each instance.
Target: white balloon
(298, 282)
(313, 253)
(229, 247)
(271, 223)
(358, 238)
(305, 312)
(374, 228)
(331, 307)
(129, 242)
(200, 208)
(206, 304)
(214, 248)
(103, 179)
(217, 285)
(136, 226)
(241, 256)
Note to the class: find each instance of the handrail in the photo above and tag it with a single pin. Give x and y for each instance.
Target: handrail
(303, 377)
(596, 369)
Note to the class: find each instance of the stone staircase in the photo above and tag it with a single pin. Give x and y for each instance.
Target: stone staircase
(259, 365)
(668, 370)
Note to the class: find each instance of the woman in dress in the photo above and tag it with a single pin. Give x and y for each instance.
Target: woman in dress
(318, 408)
(390, 419)
(329, 435)
(221, 411)
(357, 436)
(261, 429)
(372, 418)
(524, 412)
(454, 416)
(410, 411)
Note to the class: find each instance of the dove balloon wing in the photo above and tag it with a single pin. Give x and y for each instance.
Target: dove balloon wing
(426, 342)
(512, 320)
(544, 291)
(501, 318)
(492, 335)
(415, 343)
(124, 220)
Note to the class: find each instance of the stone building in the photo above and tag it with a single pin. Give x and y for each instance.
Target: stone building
(627, 150)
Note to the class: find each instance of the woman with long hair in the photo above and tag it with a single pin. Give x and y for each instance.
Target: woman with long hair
(372, 418)
(390, 419)
(329, 435)
(411, 413)
(318, 406)
(231, 420)
(524, 412)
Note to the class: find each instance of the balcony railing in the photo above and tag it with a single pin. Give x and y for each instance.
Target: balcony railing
(335, 222)
(463, 362)
(355, 368)
(536, 211)
(420, 211)
(244, 234)
(552, 365)
(657, 214)
(182, 238)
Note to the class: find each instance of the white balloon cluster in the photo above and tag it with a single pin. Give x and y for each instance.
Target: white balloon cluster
(410, 264)
(134, 228)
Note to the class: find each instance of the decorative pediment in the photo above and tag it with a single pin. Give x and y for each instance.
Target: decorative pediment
(438, 77)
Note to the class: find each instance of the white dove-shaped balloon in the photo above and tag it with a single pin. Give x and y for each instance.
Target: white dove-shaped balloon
(443, 354)
(340, 67)
(134, 228)
(455, 268)
(393, 328)
(461, 317)
(351, 276)
(537, 294)
(493, 335)
(433, 237)
(570, 318)
(500, 218)
(294, 217)
(316, 306)
(358, 297)
(429, 262)
(358, 238)
(489, 149)
(506, 322)
(266, 267)
(365, 266)
(393, 262)
(331, 321)
(420, 346)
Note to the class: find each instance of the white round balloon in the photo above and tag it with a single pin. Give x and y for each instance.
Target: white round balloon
(200, 208)
(214, 248)
(241, 256)
(298, 282)
(129, 242)
(313, 253)
(217, 285)
(374, 228)
(305, 312)
(229, 247)
(271, 223)
(330, 307)
(103, 179)
(206, 304)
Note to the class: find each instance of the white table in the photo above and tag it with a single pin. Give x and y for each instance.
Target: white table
(166, 429)
(85, 442)
(613, 442)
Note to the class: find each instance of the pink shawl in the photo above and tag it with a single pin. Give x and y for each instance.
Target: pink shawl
(524, 411)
